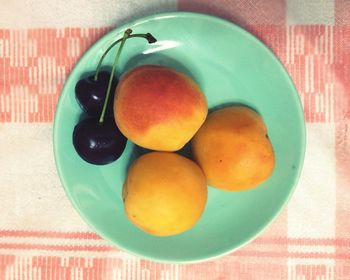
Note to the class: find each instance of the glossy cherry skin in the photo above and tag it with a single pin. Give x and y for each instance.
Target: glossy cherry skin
(90, 94)
(98, 143)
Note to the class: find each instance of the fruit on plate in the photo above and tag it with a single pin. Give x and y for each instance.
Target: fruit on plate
(233, 149)
(98, 143)
(164, 193)
(90, 93)
(159, 108)
(98, 140)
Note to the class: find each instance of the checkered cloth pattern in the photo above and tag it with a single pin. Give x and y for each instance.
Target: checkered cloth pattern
(41, 235)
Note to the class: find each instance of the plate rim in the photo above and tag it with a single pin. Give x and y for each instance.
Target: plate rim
(181, 14)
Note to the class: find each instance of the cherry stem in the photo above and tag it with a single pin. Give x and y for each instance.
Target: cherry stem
(149, 37)
(123, 40)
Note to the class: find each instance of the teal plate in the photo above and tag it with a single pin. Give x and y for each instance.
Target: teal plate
(231, 66)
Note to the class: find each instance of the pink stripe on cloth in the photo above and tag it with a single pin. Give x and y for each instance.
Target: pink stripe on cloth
(30, 88)
(342, 134)
(311, 64)
(35, 64)
(45, 247)
(341, 72)
(48, 234)
(241, 12)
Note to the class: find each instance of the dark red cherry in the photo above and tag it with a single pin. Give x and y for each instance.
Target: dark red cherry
(98, 143)
(90, 94)
(97, 139)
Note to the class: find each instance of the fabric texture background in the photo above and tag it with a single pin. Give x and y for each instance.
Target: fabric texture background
(41, 235)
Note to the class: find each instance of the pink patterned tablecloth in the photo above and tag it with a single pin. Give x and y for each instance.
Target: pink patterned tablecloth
(41, 235)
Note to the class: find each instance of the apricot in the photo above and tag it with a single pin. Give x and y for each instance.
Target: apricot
(233, 149)
(159, 108)
(164, 193)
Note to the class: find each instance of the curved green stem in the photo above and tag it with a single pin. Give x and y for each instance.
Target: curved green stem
(147, 36)
(123, 40)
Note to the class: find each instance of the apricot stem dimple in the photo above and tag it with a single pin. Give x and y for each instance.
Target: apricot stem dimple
(124, 192)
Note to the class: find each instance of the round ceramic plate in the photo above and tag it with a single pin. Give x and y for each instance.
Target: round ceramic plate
(231, 66)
